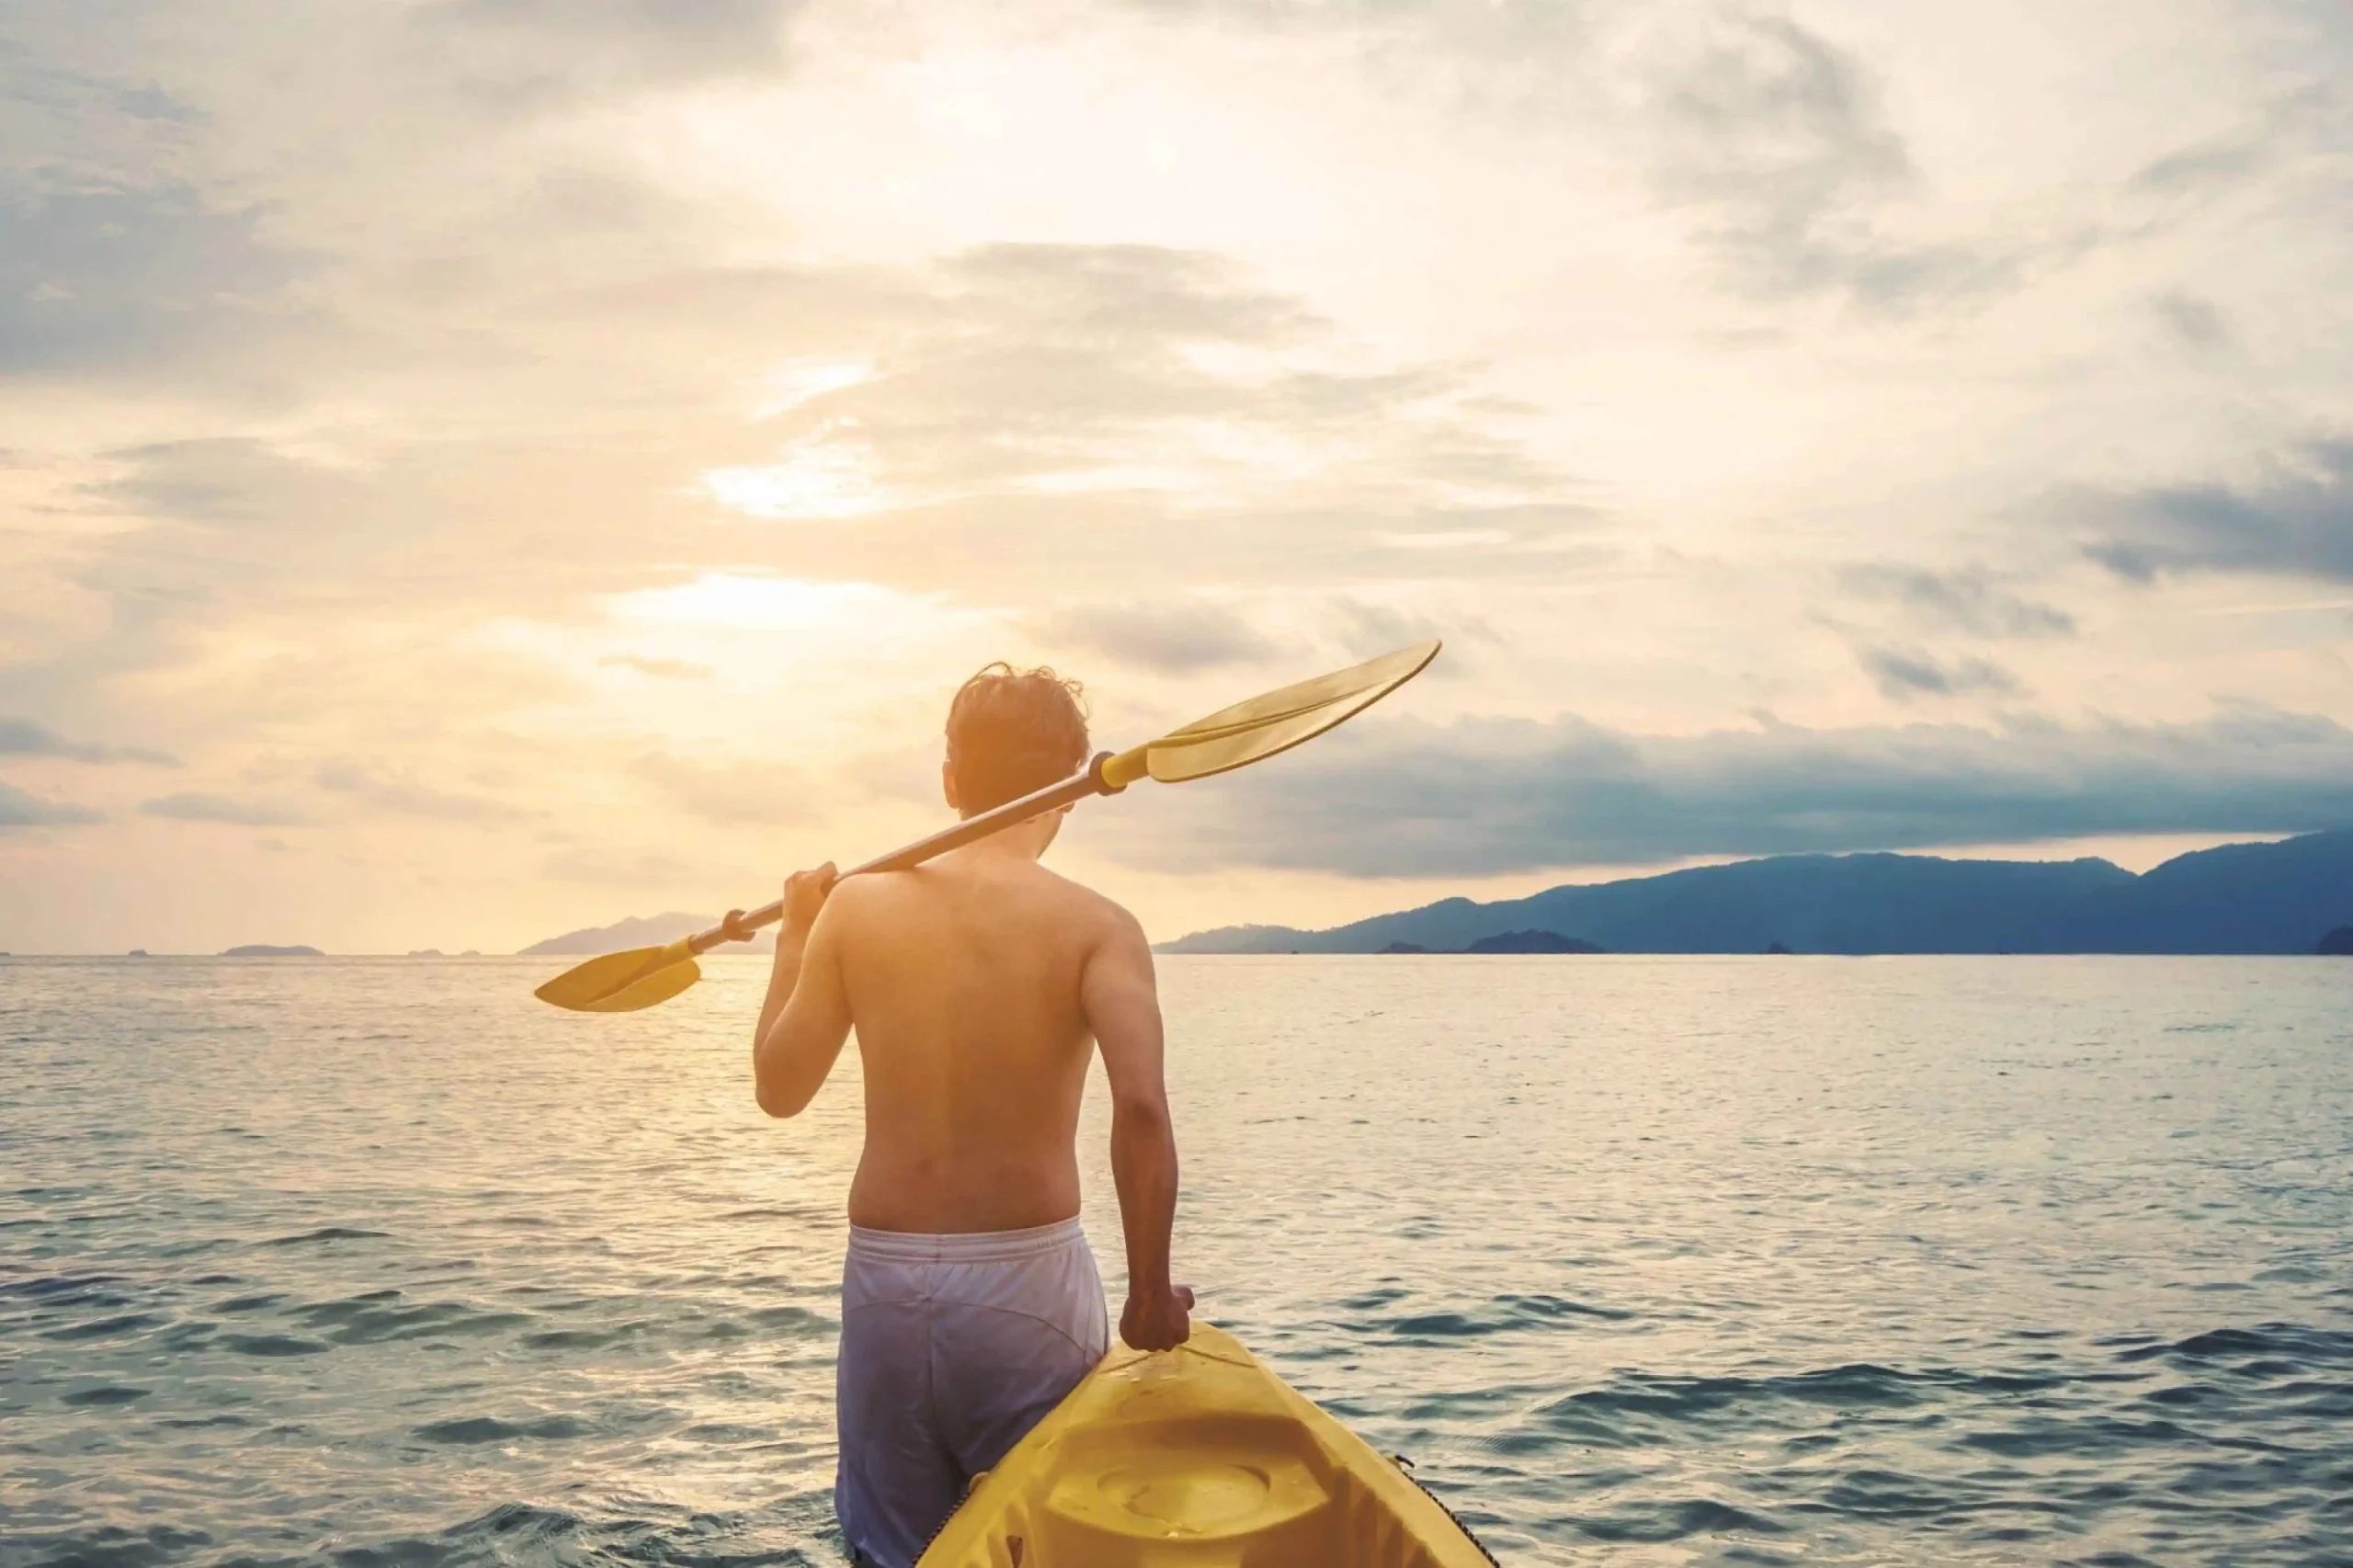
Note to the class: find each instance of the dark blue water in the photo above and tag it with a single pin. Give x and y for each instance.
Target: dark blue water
(1670, 1261)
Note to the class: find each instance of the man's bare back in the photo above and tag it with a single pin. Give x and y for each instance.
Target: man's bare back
(980, 984)
(965, 977)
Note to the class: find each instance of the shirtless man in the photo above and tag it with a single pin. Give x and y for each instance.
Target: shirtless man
(979, 984)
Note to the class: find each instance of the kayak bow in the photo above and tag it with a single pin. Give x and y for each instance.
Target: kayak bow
(1196, 1458)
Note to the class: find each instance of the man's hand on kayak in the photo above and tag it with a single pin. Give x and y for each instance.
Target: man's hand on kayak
(1158, 1321)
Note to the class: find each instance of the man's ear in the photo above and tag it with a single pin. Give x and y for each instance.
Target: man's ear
(948, 787)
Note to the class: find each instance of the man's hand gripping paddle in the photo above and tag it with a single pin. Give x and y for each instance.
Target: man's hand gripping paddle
(1229, 738)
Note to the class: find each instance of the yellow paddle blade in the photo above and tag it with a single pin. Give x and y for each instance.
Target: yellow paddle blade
(622, 983)
(1250, 731)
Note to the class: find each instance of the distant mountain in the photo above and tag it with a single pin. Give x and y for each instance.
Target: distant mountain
(2243, 898)
(1531, 942)
(2239, 898)
(2336, 943)
(640, 931)
(263, 951)
(1509, 942)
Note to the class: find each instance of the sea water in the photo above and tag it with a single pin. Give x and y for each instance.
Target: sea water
(382, 1264)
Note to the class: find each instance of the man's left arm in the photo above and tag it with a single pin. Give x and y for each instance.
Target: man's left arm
(806, 1016)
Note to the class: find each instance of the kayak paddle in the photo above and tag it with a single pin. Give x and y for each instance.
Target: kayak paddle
(1229, 738)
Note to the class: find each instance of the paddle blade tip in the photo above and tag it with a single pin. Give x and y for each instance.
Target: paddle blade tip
(1274, 722)
(624, 981)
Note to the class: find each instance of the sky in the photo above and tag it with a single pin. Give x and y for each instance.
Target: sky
(471, 469)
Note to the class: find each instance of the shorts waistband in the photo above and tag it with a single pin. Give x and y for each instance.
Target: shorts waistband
(965, 1247)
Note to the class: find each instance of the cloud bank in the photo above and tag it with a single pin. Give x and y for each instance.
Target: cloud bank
(1477, 798)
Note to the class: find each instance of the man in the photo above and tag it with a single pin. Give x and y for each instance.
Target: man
(979, 984)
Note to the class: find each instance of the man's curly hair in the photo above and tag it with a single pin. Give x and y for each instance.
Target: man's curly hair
(1011, 731)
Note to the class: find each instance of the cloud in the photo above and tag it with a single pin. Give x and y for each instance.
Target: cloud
(1904, 675)
(618, 868)
(1482, 797)
(1168, 638)
(575, 44)
(226, 479)
(660, 669)
(22, 737)
(2296, 522)
(2220, 163)
(2193, 321)
(20, 810)
(1367, 630)
(1044, 370)
(1975, 600)
(199, 807)
(733, 794)
(1773, 136)
(105, 276)
(407, 798)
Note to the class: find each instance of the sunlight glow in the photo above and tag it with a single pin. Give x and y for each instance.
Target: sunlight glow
(727, 601)
(821, 478)
(797, 381)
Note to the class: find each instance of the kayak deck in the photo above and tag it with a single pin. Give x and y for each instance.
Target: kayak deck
(1195, 1458)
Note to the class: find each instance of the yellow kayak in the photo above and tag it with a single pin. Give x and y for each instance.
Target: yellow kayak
(1196, 1458)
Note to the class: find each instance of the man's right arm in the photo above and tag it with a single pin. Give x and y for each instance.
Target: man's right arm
(1123, 1010)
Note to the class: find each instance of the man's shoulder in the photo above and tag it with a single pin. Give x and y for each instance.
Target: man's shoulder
(1079, 907)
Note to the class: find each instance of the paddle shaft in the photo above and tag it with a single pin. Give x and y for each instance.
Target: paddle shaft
(1053, 797)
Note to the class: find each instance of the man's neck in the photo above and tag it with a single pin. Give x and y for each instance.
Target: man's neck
(1024, 841)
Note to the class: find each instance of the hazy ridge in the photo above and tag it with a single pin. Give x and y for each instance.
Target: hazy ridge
(2238, 898)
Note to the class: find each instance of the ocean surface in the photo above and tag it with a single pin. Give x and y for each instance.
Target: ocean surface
(382, 1264)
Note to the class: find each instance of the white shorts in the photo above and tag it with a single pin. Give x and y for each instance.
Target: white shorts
(952, 1348)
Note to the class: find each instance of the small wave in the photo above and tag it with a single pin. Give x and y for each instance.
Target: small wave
(491, 1430)
(253, 1303)
(647, 1533)
(94, 1290)
(2059, 1438)
(784, 1211)
(1888, 1494)
(1655, 1522)
(104, 1328)
(1506, 1314)
(328, 1233)
(734, 1433)
(798, 1319)
(371, 1319)
(110, 1546)
(107, 1395)
(2265, 1345)
(1553, 1307)
(580, 1338)
(1447, 1325)
(272, 1345)
(1373, 1301)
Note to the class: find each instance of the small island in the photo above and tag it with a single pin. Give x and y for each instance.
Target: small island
(2338, 944)
(1508, 942)
(263, 951)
